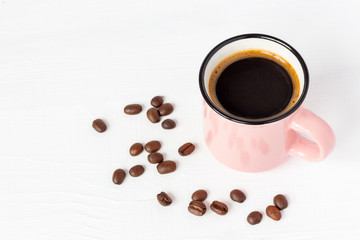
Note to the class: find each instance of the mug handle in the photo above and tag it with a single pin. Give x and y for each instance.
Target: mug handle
(309, 124)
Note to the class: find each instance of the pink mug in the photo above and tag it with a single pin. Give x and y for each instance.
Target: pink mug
(255, 146)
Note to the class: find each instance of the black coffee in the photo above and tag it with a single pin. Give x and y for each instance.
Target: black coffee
(253, 85)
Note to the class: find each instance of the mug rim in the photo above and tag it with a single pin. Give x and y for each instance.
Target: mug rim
(261, 36)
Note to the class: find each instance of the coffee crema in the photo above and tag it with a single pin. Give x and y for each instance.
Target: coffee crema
(254, 84)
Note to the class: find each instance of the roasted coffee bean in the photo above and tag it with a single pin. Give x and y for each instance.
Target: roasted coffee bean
(166, 109)
(164, 199)
(157, 101)
(273, 213)
(237, 196)
(186, 149)
(99, 125)
(132, 109)
(152, 146)
(166, 167)
(199, 195)
(153, 115)
(136, 149)
(219, 207)
(168, 124)
(254, 217)
(136, 170)
(155, 158)
(280, 201)
(119, 176)
(197, 208)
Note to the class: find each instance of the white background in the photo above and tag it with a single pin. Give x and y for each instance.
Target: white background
(65, 63)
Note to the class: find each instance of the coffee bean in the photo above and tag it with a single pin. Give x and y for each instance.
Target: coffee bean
(280, 201)
(155, 157)
(152, 146)
(254, 217)
(136, 170)
(197, 208)
(99, 125)
(119, 176)
(219, 207)
(166, 109)
(199, 195)
(166, 167)
(164, 199)
(273, 213)
(237, 196)
(168, 124)
(153, 115)
(132, 109)
(186, 149)
(136, 149)
(157, 101)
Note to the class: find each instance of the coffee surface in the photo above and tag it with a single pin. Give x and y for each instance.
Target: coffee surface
(254, 85)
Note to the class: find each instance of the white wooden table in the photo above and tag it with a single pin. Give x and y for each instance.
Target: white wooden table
(65, 63)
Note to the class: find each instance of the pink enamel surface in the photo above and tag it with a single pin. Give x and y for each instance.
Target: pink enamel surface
(316, 128)
(256, 148)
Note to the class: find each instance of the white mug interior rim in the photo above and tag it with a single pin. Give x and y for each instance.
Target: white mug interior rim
(249, 41)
